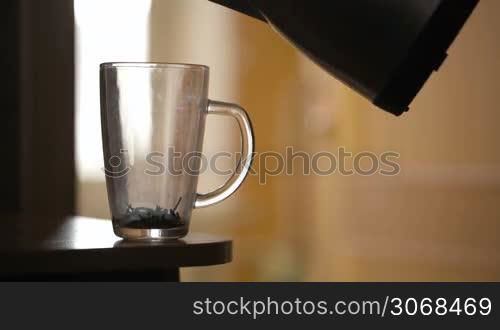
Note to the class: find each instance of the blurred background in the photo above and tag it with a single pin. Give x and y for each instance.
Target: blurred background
(438, 220)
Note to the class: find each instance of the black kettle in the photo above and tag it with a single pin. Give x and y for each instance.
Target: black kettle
(383, 49)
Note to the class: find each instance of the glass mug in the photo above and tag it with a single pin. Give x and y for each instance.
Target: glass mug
(151, 111)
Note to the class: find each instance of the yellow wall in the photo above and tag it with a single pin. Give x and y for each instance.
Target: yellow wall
(439, 219)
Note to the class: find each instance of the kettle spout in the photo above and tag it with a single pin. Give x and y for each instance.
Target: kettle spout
(243, 6)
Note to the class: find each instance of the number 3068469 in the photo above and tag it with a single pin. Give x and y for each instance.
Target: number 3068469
(441, 306)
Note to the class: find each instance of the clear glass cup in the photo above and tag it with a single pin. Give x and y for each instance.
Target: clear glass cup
(153, 122)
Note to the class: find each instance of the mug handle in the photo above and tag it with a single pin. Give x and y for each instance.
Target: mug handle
(245, 162)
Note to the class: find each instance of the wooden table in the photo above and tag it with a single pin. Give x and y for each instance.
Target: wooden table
(85, 249)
